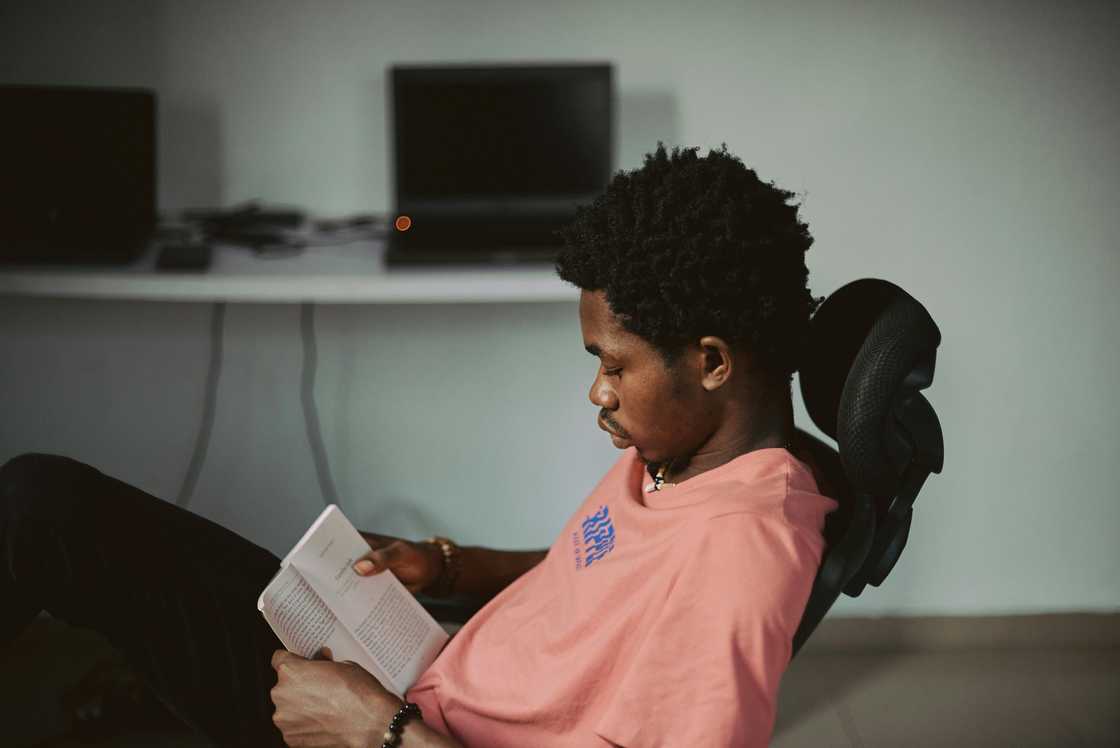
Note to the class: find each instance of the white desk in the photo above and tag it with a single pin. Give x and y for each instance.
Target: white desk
(343, 274)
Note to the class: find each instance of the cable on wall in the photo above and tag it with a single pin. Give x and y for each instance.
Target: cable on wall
(310, 411)
(209, 406)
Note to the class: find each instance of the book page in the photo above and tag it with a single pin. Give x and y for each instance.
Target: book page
(304, 624)
(399, 635)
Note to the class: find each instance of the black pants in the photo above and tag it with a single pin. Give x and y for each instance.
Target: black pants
(174, 592)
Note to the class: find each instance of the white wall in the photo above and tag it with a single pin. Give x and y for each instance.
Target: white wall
(967, 153)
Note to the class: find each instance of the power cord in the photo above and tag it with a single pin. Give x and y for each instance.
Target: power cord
(310, 411)
(209, 405)
(307, 399)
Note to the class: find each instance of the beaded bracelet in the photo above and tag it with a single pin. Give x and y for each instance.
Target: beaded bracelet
(452, 565)
(392, 736)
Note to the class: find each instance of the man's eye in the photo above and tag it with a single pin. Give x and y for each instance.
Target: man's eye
(612, 372)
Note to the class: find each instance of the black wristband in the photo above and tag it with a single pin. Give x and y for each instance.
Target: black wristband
(392, 735)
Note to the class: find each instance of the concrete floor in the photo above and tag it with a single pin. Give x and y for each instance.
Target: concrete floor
(1065, 698)
(963, 698)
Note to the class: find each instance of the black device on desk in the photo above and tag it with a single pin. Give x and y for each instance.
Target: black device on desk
(491, 161)
(184, 257)
(77, 173)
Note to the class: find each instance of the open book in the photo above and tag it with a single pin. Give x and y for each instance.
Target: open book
(317, 600)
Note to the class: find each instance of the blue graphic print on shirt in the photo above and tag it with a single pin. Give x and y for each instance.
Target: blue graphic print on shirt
(598, 537)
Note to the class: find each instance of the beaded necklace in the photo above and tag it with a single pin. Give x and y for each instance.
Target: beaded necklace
(659, 479)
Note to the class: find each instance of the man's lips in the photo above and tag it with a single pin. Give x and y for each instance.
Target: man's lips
(618, 439)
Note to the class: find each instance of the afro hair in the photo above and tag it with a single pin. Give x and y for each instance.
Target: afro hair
(688, 246)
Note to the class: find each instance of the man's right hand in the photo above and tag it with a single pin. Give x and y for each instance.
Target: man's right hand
(417, 565)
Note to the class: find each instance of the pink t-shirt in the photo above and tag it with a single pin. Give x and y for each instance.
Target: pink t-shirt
(656, 619)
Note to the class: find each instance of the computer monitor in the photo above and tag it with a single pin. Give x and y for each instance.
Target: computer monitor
(490, 160)
(78, 181)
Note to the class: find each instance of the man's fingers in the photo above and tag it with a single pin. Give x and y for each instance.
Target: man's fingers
(377, 541)
(324, 654)
(364, 567)
(282, 657)
(379, 560)
(370, 564)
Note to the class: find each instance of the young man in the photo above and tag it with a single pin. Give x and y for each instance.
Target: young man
(662, 615)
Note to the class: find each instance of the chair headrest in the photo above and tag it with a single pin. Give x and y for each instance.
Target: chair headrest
(871, 347)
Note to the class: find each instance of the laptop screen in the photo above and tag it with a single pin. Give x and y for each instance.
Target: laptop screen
(501, 138)
(78, 174)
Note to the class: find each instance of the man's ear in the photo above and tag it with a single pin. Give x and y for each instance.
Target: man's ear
(717, 362)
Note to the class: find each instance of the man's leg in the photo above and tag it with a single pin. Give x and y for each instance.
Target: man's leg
(174, 592)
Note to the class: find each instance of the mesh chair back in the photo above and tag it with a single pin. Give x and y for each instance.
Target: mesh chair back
(871, 349)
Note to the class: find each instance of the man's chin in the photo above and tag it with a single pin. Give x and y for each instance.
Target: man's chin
(655, 459)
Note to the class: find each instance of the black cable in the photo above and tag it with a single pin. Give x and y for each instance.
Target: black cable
(209, 406)
(310, 412)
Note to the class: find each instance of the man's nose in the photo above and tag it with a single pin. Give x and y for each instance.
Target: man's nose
(601, 394)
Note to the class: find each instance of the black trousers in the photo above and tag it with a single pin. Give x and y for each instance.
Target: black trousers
(174, 592)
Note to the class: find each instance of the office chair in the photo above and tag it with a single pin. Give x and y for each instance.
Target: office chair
(871, 349)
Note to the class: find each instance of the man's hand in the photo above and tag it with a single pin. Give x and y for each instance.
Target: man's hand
(320, 703)
(417, 565)
(483, 572)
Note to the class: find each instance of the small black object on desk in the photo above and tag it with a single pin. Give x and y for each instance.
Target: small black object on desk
(185, 257)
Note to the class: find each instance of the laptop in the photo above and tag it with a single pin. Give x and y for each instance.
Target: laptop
(491, 161)
(78, 183)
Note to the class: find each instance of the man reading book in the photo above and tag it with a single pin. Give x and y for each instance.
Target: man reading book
(663, 614)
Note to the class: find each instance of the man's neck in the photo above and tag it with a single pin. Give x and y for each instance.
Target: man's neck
(768, 425)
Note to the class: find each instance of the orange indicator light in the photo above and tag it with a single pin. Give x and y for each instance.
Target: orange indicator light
(403, 223)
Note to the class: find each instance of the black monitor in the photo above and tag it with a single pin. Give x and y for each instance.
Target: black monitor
(492, 160)
(78, 182)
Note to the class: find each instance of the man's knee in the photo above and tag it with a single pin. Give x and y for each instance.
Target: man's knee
(38, 481)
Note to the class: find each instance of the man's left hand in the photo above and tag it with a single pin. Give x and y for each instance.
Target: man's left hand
(320, 703)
